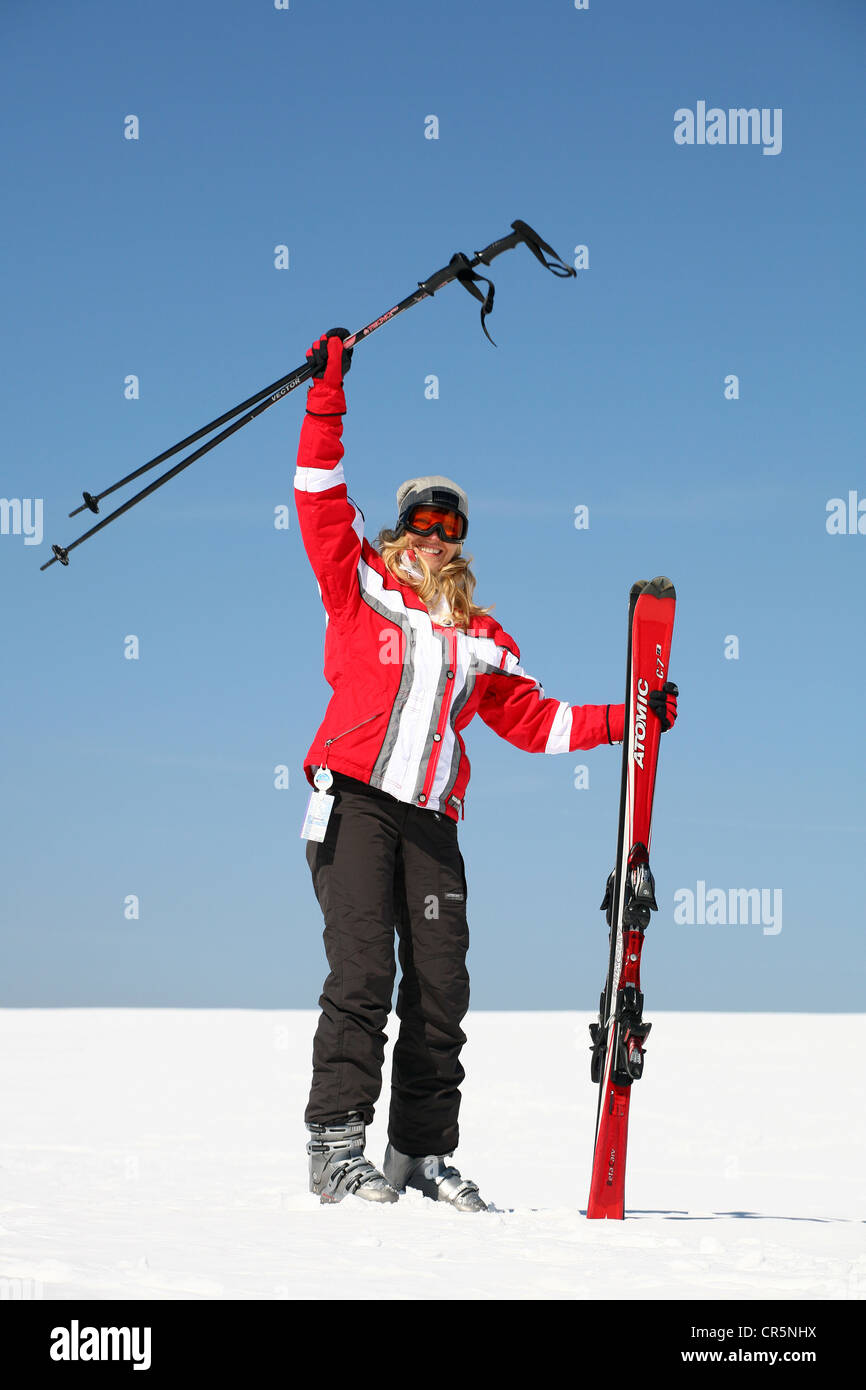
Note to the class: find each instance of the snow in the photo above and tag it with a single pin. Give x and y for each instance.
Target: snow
(159, 1154)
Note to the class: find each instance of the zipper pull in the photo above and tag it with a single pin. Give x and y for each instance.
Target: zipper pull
(334, 737)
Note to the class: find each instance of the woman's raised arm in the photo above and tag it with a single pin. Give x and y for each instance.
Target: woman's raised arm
(331, 525)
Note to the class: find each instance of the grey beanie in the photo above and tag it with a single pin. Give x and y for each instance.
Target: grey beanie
(442, 492)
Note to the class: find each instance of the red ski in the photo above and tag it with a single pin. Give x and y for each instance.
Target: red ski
(619, 1036)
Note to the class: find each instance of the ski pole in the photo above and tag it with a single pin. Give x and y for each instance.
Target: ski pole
(460, 268)
(92, 502)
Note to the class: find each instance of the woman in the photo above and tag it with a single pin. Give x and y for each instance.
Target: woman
(411, 658)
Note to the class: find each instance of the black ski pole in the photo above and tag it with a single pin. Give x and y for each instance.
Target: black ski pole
(61, 553)
(92, 502)
(460, 268)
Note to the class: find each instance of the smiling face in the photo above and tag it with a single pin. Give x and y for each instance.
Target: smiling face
(436, 553)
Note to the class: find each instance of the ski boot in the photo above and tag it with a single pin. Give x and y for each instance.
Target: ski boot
(434, 1177)
(338, 1166)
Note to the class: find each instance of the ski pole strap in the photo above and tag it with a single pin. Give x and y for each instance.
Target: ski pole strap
(466, 275)
(538, 247)
(460, 268)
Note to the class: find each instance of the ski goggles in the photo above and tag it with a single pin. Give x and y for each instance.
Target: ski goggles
(426, 520)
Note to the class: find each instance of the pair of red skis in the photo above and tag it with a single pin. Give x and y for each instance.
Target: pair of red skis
(619, 1035)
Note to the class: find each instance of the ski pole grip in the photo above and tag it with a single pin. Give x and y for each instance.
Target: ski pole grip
(444, 276)
(505, 243)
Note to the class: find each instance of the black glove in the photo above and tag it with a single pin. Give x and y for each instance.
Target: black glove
(318, 353)
(663, 704)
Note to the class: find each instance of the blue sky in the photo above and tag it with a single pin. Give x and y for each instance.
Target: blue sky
(155, 257)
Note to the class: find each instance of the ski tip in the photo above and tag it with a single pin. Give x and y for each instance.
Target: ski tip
(660, 587)
(638, 587)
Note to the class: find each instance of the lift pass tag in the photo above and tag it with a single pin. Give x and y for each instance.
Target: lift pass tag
(319, 808)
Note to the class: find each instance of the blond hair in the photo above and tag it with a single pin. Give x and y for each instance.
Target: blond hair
(454, 582)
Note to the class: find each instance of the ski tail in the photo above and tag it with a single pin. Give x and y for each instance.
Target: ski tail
(619, 1036)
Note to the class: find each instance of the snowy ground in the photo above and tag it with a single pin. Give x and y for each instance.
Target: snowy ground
(158, 1153)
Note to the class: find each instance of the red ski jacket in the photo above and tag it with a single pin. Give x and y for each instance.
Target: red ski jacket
(404, 685)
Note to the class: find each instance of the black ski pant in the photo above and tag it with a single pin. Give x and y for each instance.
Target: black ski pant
(386, 865)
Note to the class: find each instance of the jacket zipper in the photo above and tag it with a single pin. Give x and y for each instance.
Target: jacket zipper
(334, 737)
(443, 715)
